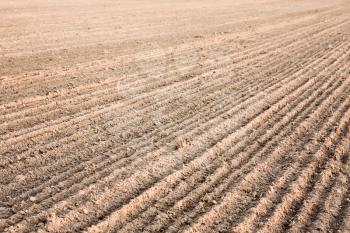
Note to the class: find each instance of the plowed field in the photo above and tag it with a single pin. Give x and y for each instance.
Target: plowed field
(174, 116)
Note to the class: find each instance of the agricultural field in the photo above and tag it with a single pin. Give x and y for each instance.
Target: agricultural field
(174, 116)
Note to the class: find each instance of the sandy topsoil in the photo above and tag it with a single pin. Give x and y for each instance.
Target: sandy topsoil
(174, 116)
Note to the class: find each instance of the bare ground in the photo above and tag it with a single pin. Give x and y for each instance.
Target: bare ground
(175, 116)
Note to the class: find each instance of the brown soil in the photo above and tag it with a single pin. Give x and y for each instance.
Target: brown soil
(175, 116)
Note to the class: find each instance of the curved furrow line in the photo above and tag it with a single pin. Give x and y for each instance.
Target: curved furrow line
(239, 125)
(93, 102)
(93, 67)
(228, 53)
(8, 135)
(234, 163)
(40, 80)
(262, 141)
(152, 69)
(242, 195)
(294, 188)
(251, 222)
(299, 188)
(42, 118)
(310, 205)
(296, 29)
(51, 80)
(105, 109)
(149, 56)
(319, 20)
(254, 220)
(319, 192)
(243, 170)
(293, 85)
(341, 221)
(265, 213)
(142, 212)
(188, 123)
(332, 206)
(63, 165)
(331, 152)
(126, 145)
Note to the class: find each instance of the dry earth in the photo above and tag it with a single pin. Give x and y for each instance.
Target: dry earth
(174, 116)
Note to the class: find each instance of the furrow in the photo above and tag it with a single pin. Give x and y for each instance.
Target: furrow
(310, 206)
(103, 92)
(262, 174)
(234, 162)
(245, 170)
(304, 184)
(294, 84)
(265, 43)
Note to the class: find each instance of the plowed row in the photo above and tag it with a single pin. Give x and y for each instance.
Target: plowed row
(202, 117)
